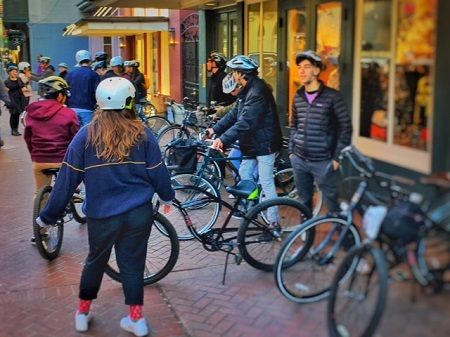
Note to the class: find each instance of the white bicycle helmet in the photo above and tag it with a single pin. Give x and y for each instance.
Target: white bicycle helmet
(116, 61)
(310, 55)
(115, 93)
(23, 65)
(228, 84)
(131, 63)
(243, 64)
(82, 55)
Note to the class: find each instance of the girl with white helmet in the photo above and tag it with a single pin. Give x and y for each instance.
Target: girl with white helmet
(119, 161)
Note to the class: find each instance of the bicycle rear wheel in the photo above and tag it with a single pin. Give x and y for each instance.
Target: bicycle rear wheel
(157, 123)
(307, 262)
(162, 253)
(198, 210)
(357, 302)
(48, 240)
(258, 243)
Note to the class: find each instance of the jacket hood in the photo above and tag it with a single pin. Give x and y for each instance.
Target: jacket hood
(43, 110)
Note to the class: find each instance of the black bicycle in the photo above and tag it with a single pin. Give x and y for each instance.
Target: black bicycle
(49, 240)
(162, 251)
(408, 233)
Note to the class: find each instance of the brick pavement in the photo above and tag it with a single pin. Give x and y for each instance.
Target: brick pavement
(38, 298)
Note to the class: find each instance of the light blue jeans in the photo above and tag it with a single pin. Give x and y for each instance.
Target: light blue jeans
(84, 116)
(265, 165)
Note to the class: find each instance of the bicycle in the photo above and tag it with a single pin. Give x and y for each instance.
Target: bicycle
(199, 207)
(49, 240)
(386, 248)
(321, 243)
(147, 113)
(162, 251)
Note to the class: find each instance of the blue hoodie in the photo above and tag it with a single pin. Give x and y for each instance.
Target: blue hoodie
(82, 82)
(112, 188)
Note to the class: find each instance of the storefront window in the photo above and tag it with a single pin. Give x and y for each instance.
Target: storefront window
(328, 38)
(262, 39)
(396, 61)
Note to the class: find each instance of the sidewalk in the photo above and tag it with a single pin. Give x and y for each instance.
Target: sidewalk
(38, 298)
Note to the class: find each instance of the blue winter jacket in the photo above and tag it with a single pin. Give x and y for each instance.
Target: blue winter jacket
(112, 188)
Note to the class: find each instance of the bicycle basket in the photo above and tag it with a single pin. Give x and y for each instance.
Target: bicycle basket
(182, 153)
(404, 222)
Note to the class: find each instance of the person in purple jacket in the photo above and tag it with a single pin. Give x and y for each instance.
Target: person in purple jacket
(119, 161)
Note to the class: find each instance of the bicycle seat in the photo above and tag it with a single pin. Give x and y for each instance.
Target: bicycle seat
(243, 188)
(50, 171)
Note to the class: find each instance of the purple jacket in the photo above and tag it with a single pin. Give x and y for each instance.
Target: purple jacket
(50, 127)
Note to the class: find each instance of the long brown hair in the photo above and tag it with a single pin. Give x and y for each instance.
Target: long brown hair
(113, 133)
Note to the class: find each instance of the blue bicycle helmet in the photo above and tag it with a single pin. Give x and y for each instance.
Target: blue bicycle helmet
(311, 56)
(228, 84)
(243, 64)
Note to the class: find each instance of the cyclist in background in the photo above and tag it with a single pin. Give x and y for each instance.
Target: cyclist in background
(137, 78)
(254, 122)
(83, 81)
(25, 75)
(46, 69)
(49, 128)
(63, 69)
(120, 163)
(117, 69)
(5, 98)
(216, 67)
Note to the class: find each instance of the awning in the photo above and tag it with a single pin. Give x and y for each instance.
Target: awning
(116, 26)
(170, 4)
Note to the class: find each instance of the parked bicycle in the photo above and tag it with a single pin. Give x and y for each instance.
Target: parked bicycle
(162, 251)
(147, 113)
(408, 233)
(49, 240)
(321, 244)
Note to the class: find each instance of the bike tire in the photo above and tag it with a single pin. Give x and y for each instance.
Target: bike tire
(49, 240)
(157, 123)
(373, 270)
(149, 110)
(76, 204)
(258, 246)
(162, 253)
(303, 254)
(200, 204)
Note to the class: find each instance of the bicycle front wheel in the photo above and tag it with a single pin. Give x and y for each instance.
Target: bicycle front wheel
(259, 244)
(48, 240)
(307, 262)
(357, 302)
(162, 253)
(76, 206)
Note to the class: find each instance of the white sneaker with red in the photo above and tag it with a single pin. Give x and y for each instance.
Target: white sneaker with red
(138, 328)
(82, 321)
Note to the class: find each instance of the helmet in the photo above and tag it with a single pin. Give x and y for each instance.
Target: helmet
(220, 59)
(52, 85)
(132, 63)
(243, 63)
(310, 55)
(115, 93)
(116, 61)
(228, 84)
(63, 65)
(23, 66)
(101, 56)
(404, 222)
(44, 59)
(99, 65)
(82, 55)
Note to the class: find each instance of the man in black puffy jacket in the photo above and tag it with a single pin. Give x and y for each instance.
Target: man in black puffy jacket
(322, 128)
(254, 122)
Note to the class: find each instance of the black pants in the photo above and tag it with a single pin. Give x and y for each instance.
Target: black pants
(14, 121)
(305, 172)
(129, 233)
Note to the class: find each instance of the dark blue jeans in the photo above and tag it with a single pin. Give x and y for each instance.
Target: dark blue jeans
(129, 233)
(305, 172)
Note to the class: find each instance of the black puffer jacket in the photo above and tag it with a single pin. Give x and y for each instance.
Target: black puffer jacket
(253, 121)
(321, 129)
